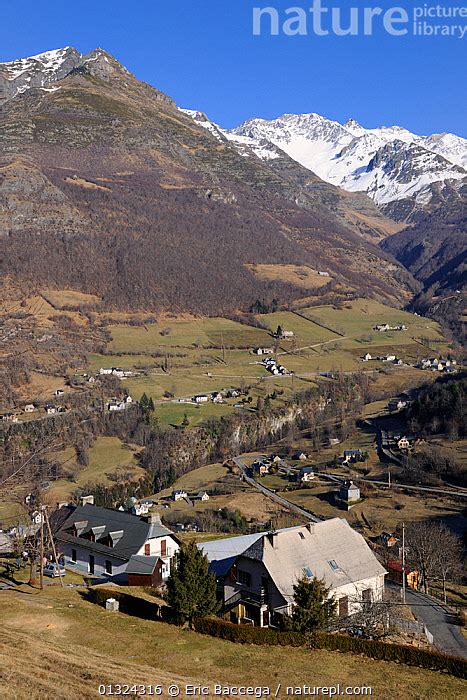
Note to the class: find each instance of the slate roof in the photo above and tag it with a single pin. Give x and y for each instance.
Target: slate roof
(140, 564)
(136, 531)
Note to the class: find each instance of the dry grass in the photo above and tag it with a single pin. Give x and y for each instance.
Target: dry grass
(56, 645)
(299, 275)
(61, 298)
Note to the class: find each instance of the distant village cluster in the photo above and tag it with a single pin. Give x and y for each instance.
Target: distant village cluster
(434, 364)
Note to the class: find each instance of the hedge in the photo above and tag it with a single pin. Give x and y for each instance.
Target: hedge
(129, 604)
(245, 634)
(382, 651)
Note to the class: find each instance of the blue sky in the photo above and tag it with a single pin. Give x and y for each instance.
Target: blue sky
(203, 53)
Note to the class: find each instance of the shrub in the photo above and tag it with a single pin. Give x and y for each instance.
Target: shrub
(244, 634)
(382, 651)
(129, 604)
(391, 652)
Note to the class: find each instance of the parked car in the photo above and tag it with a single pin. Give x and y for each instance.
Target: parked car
(53, 570)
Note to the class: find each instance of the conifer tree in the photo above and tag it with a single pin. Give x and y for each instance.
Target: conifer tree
(313, 610)
(191, 588)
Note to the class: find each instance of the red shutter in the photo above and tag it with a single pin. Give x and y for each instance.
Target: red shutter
(147, 549)
(163, 548)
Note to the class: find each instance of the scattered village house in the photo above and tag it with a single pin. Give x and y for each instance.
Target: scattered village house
(10, 417)
(349, 492)
(179, 495)
(50, 409)
(101, 541)
(201, 398)
(29, 408)
(404, 443)
(388, 539)
(412, 576)
(263, 351)
(256, 573)
(397, 405)
(260, 467)
(307, 474)
(353, 456)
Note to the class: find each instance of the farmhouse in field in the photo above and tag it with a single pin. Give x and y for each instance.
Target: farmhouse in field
(30, 408)
(383, 327)
(263, 351)
(307, 474)
(349, 492)
(101, 541)
(179, 495)
(256, 573)
(397, 405)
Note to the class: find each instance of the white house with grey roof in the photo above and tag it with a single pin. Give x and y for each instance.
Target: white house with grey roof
(101, 541)
(256, 573)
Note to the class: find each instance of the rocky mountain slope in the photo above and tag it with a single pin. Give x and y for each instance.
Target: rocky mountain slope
(402, 172)
(108, 188)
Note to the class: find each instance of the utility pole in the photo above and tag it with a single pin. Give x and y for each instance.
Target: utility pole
(41, 549)
(389, 477)
(52, 543)
(403, 563)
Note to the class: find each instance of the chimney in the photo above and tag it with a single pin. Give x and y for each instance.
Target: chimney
(310, 527)
(273, 538)
(153, 519)
(87, 500)
(62, 504)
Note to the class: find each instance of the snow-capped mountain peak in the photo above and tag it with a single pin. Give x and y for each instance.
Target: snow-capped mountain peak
(45, 69)
(388, 163)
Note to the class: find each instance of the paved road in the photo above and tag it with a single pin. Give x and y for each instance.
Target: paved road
(440, 621)
(397, 485)
(274, 496)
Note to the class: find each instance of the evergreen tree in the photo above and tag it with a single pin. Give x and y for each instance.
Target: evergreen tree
(313, 610)
(191, 588)
(144, 403)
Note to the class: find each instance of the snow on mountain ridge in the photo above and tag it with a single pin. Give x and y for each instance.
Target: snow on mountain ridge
(344, 154)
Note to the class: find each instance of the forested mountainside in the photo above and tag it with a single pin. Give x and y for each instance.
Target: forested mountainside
(106, 187)
(435, 251)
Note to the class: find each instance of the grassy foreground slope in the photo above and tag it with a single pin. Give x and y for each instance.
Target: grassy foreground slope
(71, 646)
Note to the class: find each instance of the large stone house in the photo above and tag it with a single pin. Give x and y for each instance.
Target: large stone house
(101, 541)
(256, 573)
